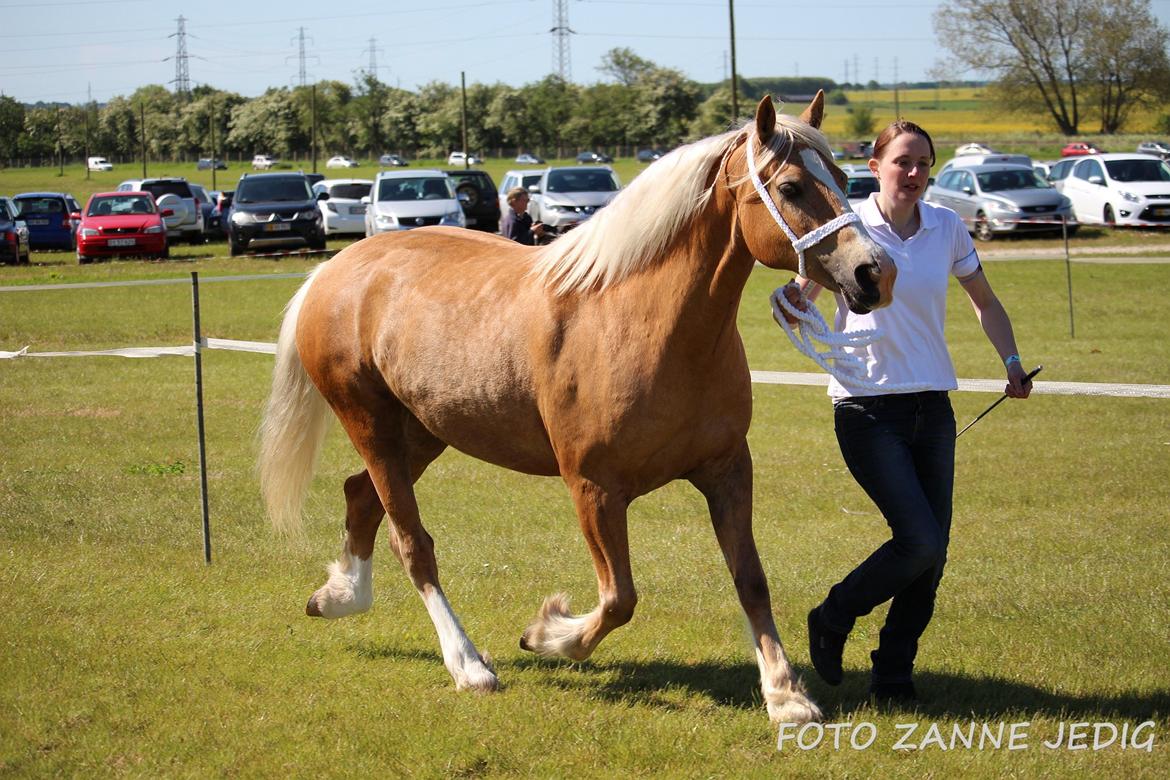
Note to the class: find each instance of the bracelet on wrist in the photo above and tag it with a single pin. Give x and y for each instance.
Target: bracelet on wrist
(1007, 361)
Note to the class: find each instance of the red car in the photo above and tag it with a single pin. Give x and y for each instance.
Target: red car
(1077, 148)
(122, 223)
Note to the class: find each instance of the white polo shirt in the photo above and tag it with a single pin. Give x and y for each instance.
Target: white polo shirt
(913, 346)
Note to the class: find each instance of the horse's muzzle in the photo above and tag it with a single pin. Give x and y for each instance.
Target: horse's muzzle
(875, 284)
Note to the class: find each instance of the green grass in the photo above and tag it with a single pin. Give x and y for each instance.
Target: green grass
(122, 654)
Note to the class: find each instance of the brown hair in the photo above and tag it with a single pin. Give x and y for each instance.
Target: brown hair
(895, 129)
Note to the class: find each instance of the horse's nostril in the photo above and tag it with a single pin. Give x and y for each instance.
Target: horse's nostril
(869, 276)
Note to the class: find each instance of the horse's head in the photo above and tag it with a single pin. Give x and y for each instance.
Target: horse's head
(793, 211)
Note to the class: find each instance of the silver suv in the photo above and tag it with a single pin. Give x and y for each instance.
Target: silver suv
(994, 199)
(175, 194)
(565, 197)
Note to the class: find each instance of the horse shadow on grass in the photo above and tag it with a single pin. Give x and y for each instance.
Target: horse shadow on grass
(736, 685)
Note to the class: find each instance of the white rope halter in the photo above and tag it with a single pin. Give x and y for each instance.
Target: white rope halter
(811, 239)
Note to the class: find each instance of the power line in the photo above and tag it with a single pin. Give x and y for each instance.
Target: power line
(182, 79)
(562, 61)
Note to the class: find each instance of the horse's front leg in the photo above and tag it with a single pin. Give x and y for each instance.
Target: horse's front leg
(556, 631)
(727, 486)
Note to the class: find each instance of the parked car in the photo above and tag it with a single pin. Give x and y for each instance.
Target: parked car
(51, 219)
(1060, 170)
(565, 197)
(343, 212)
(648, 155)
(98, 164)
(1159, 148)
(205, 201)
(392, 161)
(340, 161)
(121, 223)
(223, 209)
(314, 178)
(463, 158)
(1078, 148)
(588, 158)
(477, 194)
(972, 160)
(861, 183)
(402, 200)
(528, 159)
(275, 210)
(975, 148)
(14, 243)
(1119, 189)
(175, 195)
(210, 163)
(512, 179)
(993, 199)
(263, 162)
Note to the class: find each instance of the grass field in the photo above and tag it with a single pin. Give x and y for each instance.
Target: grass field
(124, 655)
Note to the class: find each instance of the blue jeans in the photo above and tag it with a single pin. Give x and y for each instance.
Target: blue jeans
(901, 450)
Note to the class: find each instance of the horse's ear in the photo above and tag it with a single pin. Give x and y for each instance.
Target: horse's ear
(765, 118)
(816, 110)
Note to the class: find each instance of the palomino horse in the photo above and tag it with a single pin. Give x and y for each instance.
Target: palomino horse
(610, 357)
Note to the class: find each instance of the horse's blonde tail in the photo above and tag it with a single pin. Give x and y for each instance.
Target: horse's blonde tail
(294, 427)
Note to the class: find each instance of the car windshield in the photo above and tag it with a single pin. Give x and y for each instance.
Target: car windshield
(115, 205)
(581, 181)
(264, 190)
(998, 181)
(352, 191)
(160, 188)
(415, 188)
(1138, 170)
(862, 187)
(40, 206)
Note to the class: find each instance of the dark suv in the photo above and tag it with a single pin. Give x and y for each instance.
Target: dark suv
(275, 209)
(477, 194)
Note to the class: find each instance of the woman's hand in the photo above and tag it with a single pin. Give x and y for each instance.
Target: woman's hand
(1016, 388)
(792, 293)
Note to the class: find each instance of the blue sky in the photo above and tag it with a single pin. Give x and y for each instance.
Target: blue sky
(65, 50)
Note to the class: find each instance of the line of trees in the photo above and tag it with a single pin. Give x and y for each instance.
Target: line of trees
(643, 105)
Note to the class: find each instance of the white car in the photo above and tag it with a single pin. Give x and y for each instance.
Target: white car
(512, 179)
(406, 199)
(340, 161)
(463, 159)
(263, 162)
(343, 212)
(99, 164)
(565, 197)
(1118, 189)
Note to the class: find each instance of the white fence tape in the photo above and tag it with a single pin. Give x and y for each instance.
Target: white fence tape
(759, 377)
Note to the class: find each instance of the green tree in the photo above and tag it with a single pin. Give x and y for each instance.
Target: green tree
(625, 67)
(1126, 67)
(267, 125)
(11, 126)
(860, 122)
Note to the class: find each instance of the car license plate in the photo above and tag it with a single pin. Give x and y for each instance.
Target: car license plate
(276, 227)
(357, 209)
(121, 242)
(1161, 212)
(38, 221)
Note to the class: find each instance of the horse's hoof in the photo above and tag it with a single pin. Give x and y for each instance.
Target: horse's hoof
(311, 609)
(524, 643)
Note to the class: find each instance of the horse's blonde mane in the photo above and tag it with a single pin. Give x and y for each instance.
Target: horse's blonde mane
(614, 244)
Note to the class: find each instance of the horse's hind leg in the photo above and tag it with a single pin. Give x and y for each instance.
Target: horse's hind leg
(349, 589)
(396, 449)
(727, 486)
(557, 632)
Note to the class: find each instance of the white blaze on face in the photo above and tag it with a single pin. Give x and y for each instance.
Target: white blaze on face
(815, 165)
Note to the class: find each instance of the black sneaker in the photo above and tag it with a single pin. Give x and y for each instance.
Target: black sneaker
(824, 648)
(893, 692)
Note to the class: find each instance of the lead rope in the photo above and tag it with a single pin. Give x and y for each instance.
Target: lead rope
(849, 368)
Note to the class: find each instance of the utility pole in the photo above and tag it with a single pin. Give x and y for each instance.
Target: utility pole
(562, 64)
(61, 146)
(211, 128)
(734, 79)
(142, 133)
(313, 134)
(301, 70)
(897, 105)
(463, 113)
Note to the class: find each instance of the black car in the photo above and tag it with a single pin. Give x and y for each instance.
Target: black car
(649, 155)
(477, 194)
(590, 158)
(14, 246)
(392, 161)
(208, 163)
(275, 210)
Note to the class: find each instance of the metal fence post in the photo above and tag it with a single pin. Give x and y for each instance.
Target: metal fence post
(199, 417)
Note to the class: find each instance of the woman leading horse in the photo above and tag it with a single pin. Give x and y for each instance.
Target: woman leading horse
(610, 358)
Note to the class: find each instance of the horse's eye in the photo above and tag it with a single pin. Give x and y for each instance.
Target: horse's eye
(790, 190)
